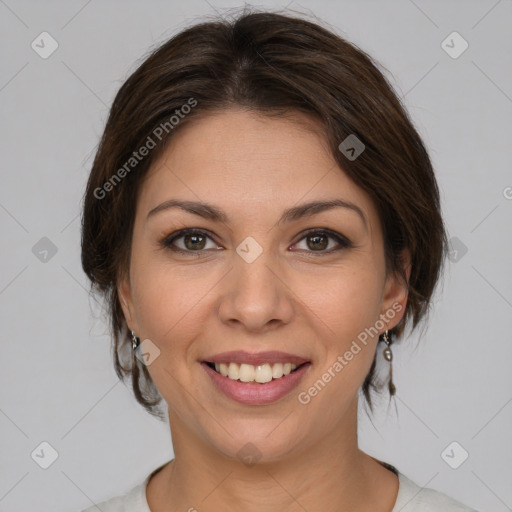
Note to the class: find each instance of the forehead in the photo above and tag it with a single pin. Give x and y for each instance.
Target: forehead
(244, 160)
(242, 141)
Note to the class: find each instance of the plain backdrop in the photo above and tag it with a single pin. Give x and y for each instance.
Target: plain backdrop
(58, 387)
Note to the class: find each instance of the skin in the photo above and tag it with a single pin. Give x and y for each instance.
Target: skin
(293, 298)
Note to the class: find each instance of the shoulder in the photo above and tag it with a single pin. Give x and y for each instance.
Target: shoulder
(133, 501)
(413, 498)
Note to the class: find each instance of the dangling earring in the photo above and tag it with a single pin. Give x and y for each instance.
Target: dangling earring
(135, 341)
(388, 356)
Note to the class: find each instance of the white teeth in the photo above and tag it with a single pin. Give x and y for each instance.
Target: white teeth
(277, 371)
(250, 373)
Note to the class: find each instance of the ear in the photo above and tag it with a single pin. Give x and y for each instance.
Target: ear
(395, 291)
(125, 298)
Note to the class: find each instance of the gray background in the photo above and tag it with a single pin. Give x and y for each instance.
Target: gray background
(57, 380)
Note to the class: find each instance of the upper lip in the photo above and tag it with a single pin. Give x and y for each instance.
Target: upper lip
(270, 357)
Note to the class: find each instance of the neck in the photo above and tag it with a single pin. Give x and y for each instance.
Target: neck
(330, 475)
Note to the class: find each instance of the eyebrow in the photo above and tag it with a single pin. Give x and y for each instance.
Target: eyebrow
(295, 213)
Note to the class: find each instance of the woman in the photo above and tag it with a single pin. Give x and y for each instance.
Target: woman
(260, 214)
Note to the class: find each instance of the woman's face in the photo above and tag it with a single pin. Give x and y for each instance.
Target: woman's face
(256, 281)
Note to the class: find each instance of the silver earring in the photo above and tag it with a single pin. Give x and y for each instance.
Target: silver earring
(135, 341)
(388, 356)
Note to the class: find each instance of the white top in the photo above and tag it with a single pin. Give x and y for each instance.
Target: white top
(410, 498)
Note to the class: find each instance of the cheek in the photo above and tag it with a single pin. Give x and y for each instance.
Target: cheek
(169, 301)
(169, 306)
(345, 302)
(345, 308)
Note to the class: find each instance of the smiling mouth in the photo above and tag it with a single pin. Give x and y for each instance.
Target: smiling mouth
(212, 366)
(254, 373)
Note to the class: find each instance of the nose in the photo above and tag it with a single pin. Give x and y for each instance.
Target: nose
(256, 296)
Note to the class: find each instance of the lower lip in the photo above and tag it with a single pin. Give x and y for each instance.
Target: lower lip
(253, 393)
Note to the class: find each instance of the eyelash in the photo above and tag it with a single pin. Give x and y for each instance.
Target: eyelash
(343, 242)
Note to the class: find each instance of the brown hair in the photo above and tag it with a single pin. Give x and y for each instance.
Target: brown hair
(272, 64)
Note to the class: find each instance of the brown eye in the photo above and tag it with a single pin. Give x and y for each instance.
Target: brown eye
(194, 241)
(191, 241)
(318, 241)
